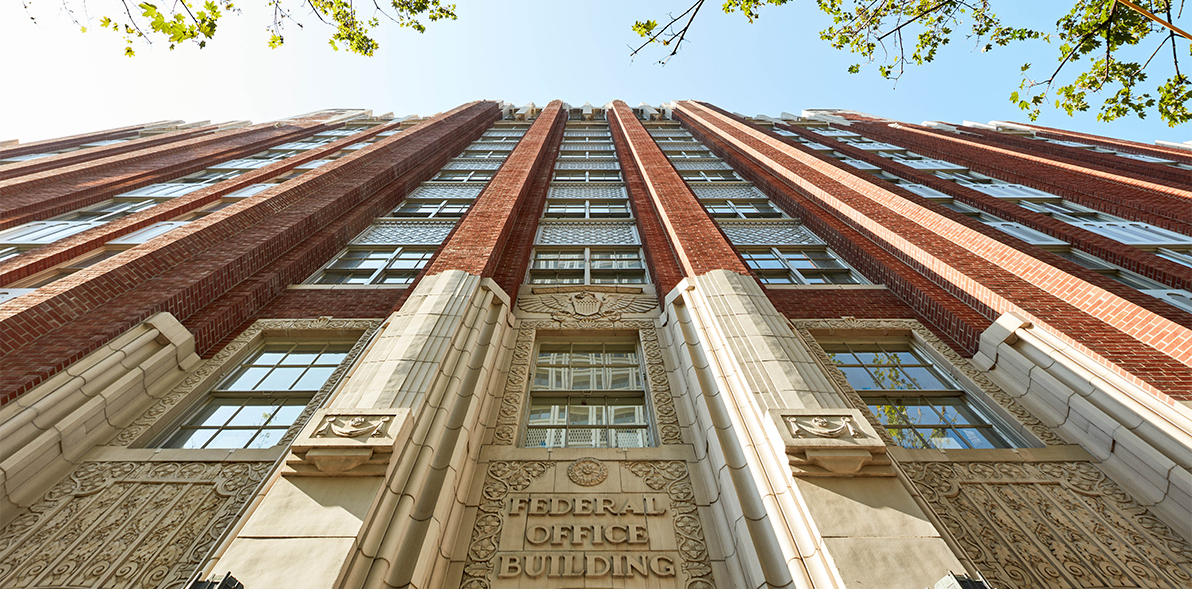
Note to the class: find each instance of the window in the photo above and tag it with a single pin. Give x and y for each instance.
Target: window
(587, 395)
(587, 176)
(464, 176)
(741, 209)
(586, 209)
(254, 405)
(425, 209)
(375, 265)
(587, 266)
(804, 265)
(918, 404)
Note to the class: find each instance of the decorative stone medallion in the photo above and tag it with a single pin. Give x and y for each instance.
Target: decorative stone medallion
(587, 472)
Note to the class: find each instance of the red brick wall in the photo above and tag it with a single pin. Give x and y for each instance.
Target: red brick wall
(514, 256)
(79, 156)
(1171, 153)
(662, 260)
(71, 141)
(1129, 198)
(1131, 258)
(990, 276)
(696, 239)
(47, 256)
(1107, 162)
(45, 194)
(197, 265)
(480, 236)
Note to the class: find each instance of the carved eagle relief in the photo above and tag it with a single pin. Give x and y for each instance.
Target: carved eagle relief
(586, 306)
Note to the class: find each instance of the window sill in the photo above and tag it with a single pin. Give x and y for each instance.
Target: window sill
(1064, 453)
(347, 287)
(824, 286)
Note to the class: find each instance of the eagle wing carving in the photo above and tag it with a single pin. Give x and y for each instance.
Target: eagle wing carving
(614, 303)
(548, 303)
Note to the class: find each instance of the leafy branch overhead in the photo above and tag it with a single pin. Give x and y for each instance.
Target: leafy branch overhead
(1122, 42)
(181, 22)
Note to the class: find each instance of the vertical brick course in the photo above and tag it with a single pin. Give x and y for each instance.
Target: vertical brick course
(994, 278)
(479, 238)
(1130, 258)
(1129, 198)
(187, 270)
(695, 238)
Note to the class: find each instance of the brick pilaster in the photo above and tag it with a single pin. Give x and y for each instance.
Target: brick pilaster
(1130, 258)
(65, 249)
(77, 140)
(1149, 350)
(695, 238)
(477, 242)
(665, 270)
(44, 331)
(42, 195)
(1129, 198)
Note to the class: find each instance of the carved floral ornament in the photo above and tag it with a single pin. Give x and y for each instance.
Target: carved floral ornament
(804, 327)
(587, 472)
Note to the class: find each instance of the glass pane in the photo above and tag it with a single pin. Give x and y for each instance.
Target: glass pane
(254, 413)
(542, 412)
(586, 379)
(587, 354)
(270, 355)
(923, 378)
(191, 439)
(621, 354)
(314, 379)
(859, 378)
(303, 355)
(907, 438)
(585, 415)
(267, 438)
(942, 439)
(623, 378)
(232, 438)
(288, 414)
(982, 438)
(333, 356)
(244, 379)
(281, 379)
(216, 413)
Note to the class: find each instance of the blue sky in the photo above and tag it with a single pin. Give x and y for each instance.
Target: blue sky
(515, 50)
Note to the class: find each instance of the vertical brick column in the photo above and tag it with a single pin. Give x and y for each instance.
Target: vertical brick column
(1171, 153)
(1149, 350)
(1110, 192)
(514, 257)
(695, 238)
(1130, 258)
(38, 196)
(191, 268)
(664, 266)
(475, 245)
(1109, 162)
(76, 140)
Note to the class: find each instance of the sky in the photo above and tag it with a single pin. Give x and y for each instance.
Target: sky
(60, 81)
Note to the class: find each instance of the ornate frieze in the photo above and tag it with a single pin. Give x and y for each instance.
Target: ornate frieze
(126, 524)
(672, 477)
(502, 478)
(1051, 524)
(585, 305)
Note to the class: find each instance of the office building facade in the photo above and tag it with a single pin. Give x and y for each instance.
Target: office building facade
(595, 346)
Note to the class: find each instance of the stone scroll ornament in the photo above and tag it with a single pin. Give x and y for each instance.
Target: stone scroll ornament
(502, 478)
(126, 524)
(672, 477)
(1051, 524)
(517, 380)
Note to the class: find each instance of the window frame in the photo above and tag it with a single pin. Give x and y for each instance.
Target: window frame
(587, 264)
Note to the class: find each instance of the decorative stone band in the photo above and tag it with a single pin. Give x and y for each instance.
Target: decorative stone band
(347, 442)
(832, 443)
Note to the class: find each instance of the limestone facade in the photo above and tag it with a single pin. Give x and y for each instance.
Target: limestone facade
(556, 346)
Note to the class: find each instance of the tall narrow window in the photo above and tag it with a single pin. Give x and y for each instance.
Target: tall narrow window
(254, 405)
(587, 395)
(917, 403)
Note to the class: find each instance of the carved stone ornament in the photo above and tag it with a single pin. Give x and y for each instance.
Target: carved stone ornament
(216, 365)
(831, 442)
(1051, 524)
(517, 380)
(587, 472)
(502, 478)
(803, 328)
(347, 442)
(586, 305)
(126, 524)
(672, 477)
